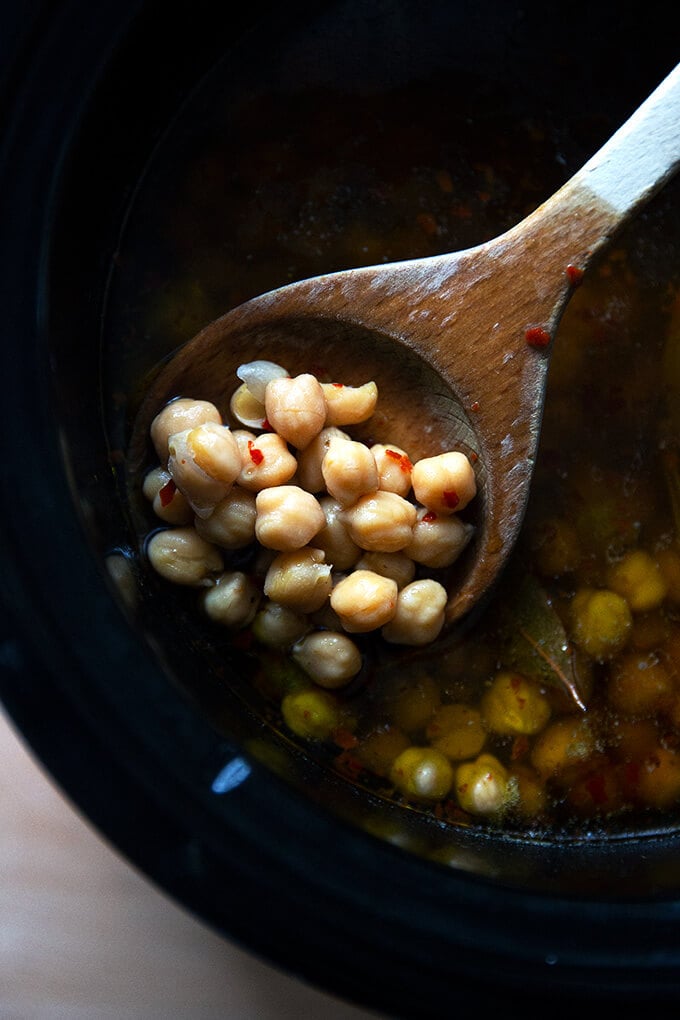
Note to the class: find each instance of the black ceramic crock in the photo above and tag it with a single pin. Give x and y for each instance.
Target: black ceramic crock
(266, 846)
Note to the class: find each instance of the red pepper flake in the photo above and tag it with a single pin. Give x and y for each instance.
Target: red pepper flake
(266, 426)
(167, 492)
(429, 517)
(451, 498)
(536, 336)
(574, 275)
(338, 385)
(473, 457)
(401, 458)
(256, 455)
(345, 739)
(474, 406)
(520, 747)
(597, 788)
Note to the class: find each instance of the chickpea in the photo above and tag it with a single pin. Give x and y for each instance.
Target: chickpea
(483, 786)
(295, 408)
(437, 540)
(444, 483)
(420, 614)
(415, 704)
(204, 463)
(246, 408)
(556, 547)
(309, 475)
(565, 742)
(277, 626)
(423, 773)
(640, 684)
(601, 622)
(457, 731)
(380, 522)
(514, 705)
(531, 795)
(379, 749)
(231, 525)
(232, 601)
(669, 564)
(312, 714)
(180, 555)
(394, 468)
(334, 537)
(659, 779)
(266, 461)
(364, 600)
(287, 517)
(329, 658)
(299, 580)
(349, 405)
(177, 416)
(169, 504)
(638, 579)
(348, 470)
(396, 565)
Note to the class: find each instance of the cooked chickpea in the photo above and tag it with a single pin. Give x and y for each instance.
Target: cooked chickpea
(415, 704)
(396, 565)
(380, 522)
(364, 600)
(232, 601)
(348, 470)
(180, 555)
(668, 560)
(556, 547)
(312, 714)
(420, 613)
(295, 408)
(266, 461)
(640, 684)
(483, 786)
(438, 540)
(423, 773)
(531, 796)
(309, 475)
(601, 622)
(565, 742)
(334, 537)
(394, 468)
(287, 517)
(445, 483)
(514, 705)
(329, 658)
(169, 504)
(204, 463)
(231, 525)
(658, 782)
(638, 579)
(349, 405)
(457, 731)
(177, 416)
(379, 749)
(277, 626)
(300, 580)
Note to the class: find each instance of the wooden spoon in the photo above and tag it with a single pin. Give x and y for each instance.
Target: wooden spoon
(459, 344)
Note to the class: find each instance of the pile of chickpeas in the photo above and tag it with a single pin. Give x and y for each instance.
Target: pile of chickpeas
(345, 534)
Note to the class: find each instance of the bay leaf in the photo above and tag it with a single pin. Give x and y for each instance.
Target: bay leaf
(535, 641)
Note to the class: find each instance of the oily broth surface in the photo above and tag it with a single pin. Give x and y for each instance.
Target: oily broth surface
(333, 182)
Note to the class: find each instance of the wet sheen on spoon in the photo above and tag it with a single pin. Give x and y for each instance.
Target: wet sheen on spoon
(458, 344)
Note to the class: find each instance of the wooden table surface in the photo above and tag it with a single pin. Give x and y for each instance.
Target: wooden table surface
(83, 936)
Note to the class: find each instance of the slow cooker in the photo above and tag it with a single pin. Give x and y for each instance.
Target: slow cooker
(163, 755)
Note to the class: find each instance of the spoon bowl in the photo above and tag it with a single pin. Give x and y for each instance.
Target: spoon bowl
(458, 344)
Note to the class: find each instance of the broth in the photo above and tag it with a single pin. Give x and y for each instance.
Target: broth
(568, 683)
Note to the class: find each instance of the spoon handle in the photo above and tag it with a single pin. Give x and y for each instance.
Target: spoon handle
(641, 155)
